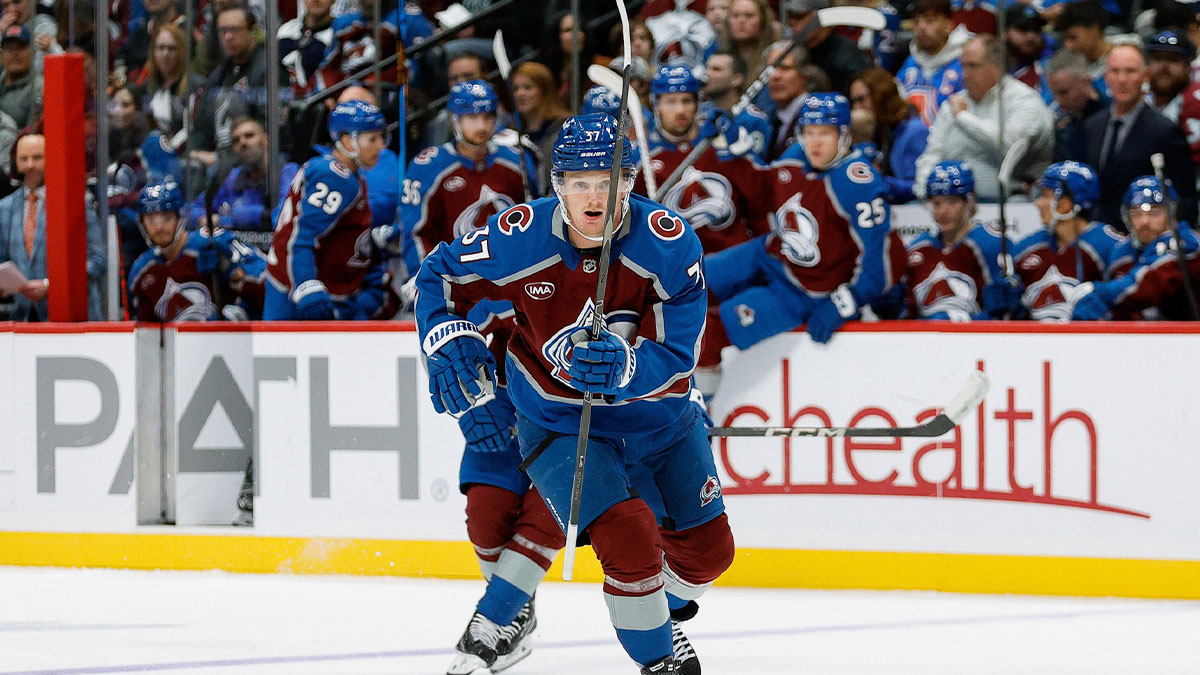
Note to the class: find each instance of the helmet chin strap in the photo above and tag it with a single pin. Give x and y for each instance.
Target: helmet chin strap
(354, 141)
(459, 137)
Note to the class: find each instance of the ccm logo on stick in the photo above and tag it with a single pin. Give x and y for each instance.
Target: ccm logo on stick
(540, 290)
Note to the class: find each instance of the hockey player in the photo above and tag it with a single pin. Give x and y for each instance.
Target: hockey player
(955, 274)
(453, 188)
(323, 264)
(645, 434)
(826, 255)
(1147, 210)
(714, 195)
(1071, 250)
(173, 281)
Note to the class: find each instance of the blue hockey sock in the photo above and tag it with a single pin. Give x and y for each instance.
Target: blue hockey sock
(646, 646)
(502, 601)
(675, 603)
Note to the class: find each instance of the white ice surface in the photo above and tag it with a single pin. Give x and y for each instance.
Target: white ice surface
(108, 621)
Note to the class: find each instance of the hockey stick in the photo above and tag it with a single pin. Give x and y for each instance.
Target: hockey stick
(505, 67)
(224, 168)
(968, 397)
(1156, 160)
(585, 417)
(1007, 166)
(608, 79)
(862, 17)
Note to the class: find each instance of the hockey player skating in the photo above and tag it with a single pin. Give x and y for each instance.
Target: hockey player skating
(647, 437)
(323, 264)
(955, 274)
(1071, 250)
(826, 255)
(1147, 211)
(173, 281)
(453, 188)
(514, 534)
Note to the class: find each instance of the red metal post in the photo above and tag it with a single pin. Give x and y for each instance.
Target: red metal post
(66, 181)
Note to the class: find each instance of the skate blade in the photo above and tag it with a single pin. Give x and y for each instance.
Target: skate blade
(468, 664)
(510, 659)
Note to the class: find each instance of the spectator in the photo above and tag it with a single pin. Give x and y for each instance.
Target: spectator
(20, 85)
(726, 73)
(241, 203)
(1120, 139)
(1081, 25)
(1075, 100)
(716, 12)
(750, 30)
(464, 67)
(42, 27)
(932, 73)
(1025, 39)
(967, 126)
(830, 51)
(1168, 70)
(787, 86)
(900, 135)
(136, 51)
(127, 130)
(562, 39)
(23, 235)
(1182, 19)
(639, 75)
(168, 84)
(542, 113)
(303, 43)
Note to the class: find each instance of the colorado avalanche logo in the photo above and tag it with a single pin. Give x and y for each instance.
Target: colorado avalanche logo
(703, 199)
(946, 290)
(557, 350)
(710, 491)
(1047, 297)
(745, 315)
(798, 232)
(666, 226)
(476, 215)
(189, 301)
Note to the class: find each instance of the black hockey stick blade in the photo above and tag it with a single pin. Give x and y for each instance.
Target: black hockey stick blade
(966, 400)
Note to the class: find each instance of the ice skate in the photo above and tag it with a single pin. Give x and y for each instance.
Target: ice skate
(516, 639)
(476, 649)
(687, 663)
(664, 666)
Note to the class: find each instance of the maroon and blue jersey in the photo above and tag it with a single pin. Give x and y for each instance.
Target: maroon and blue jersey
(656, 298)
(323, 231)
(175, 290)
(947, 282)
(1050, 272)
(447, 195)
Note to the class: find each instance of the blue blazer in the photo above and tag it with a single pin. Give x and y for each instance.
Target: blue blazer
(12, 247)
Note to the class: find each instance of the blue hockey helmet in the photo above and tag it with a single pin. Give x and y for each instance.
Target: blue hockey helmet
(1147, 191)
(953, 178)
(355, 117)
(825, 107)
(676, 79)
(601, 100)
(588, 143)
(471, 98)
(1072, 179)
(160, 197)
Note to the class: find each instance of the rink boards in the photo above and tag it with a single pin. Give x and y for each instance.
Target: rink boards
(1077, 475)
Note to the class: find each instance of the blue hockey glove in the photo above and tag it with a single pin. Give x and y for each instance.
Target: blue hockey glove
(207, 256)
(831, 313)
(362, 306)
(460, 366)
(313, 302)
(1001, 297)
(1089, 303)
(489, 427)
(602, 366)
(717, 125)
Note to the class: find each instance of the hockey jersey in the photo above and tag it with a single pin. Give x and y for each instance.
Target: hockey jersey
(1159, 290)
(447, 195)
(1050, 272)
(656, 297)
(1130, 256)
(930, 79)
(323, 231)
(175, 290)
(947, 282)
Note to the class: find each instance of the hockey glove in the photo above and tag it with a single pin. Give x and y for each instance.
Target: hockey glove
(460, 366)
(489, 427)
(386, 237)
(830, 313)
(1089, 303)
(207, 256)
(1001, 297)
(717, 125)
(363, 305)
(602, 366)
(313, 302)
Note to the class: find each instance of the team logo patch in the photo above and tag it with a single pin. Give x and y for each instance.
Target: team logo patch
(666, 226)
(1031, 262)
(916, 258)
(455, 183)
(784, 176)
(710, 491)
(745, 315)
(859, 172)
(426, 156)
(656, 164)
(340, 169)
(539, 290)
(589, 266)
(517, 218)
(704, 199)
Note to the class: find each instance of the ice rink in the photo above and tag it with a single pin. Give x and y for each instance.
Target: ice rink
(59, 621)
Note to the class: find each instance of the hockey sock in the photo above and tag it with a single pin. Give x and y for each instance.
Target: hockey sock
(676, 603)
(647, 646)
(502, 601)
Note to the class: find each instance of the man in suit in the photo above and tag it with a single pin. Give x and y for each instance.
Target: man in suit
(1120, 139)
(23, 236)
